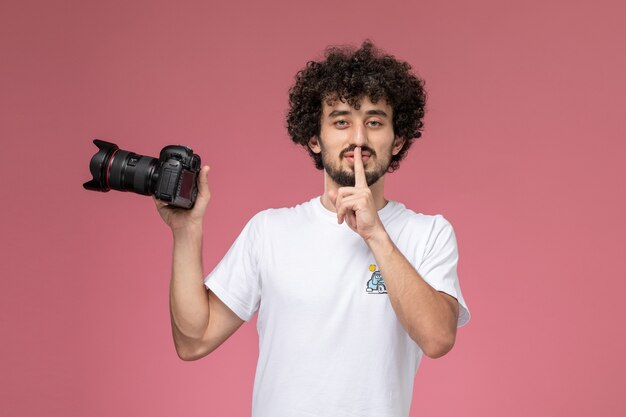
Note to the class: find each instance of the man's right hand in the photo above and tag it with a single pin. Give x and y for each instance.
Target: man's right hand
(179, 219)
(191, 304)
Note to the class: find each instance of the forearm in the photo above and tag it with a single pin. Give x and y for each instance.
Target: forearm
(423, 312)
(189, 305)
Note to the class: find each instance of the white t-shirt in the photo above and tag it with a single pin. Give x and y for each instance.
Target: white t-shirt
(330, 344)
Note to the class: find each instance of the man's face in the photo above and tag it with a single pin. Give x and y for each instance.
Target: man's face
(343, 128)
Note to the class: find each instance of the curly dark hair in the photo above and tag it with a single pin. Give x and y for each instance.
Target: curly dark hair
(349, 74)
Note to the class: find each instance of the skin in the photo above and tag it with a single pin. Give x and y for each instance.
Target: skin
(201, 322)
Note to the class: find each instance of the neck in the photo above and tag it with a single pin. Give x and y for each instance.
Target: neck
(377, 189)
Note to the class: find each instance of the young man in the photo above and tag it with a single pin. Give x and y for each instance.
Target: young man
(350, 289)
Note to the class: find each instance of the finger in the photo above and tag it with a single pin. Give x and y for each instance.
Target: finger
(349, 216)
(344, 192)
(203, 183)
(338, 206)
(335, 200)
(204, 194)
(159, 204)
(351, 220)
(359, 171)
(346, 208)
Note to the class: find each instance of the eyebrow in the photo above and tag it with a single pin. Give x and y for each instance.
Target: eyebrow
(374, 112)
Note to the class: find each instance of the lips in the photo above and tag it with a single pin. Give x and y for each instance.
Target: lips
(364, 154)
(350, 157)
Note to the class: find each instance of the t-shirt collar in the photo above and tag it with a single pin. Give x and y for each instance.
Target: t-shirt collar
(383, 213)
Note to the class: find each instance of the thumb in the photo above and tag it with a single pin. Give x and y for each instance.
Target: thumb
(203, 185)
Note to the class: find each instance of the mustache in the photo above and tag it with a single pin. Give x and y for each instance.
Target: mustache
(351, 148)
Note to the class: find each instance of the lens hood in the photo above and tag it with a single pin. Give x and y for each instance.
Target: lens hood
(99, 166)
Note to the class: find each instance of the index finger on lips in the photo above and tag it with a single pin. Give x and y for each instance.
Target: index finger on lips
(359, 171)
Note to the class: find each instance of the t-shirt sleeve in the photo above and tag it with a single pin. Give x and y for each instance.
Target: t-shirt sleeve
(235, 280)
(439, 264)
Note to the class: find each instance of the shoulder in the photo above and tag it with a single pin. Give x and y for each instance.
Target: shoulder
(431, 222)
(273, 217)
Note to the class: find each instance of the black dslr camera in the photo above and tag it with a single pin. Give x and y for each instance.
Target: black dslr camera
(171, 178)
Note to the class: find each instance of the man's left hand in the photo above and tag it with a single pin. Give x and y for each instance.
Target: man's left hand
(356, 204)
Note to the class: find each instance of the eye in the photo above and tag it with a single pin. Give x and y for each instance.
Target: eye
(374, 123)
(341, 123)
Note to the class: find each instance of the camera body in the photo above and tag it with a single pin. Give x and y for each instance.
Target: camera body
(176, 176)
(171, 178)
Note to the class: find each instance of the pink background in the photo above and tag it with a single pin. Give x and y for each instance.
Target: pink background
(523, 152)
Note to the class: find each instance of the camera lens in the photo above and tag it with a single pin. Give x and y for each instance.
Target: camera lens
(129, 171)
(113, 168)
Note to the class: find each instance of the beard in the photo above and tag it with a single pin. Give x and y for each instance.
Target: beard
(345, 178)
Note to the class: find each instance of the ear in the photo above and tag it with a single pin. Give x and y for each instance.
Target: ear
(398, 143)
(314, 144)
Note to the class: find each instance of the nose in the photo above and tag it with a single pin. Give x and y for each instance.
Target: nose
(360, 135)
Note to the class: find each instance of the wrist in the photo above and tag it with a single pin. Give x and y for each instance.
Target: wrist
(379, 240)
(187, 232)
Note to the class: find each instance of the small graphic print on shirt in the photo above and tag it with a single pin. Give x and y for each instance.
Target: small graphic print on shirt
(376, 283)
